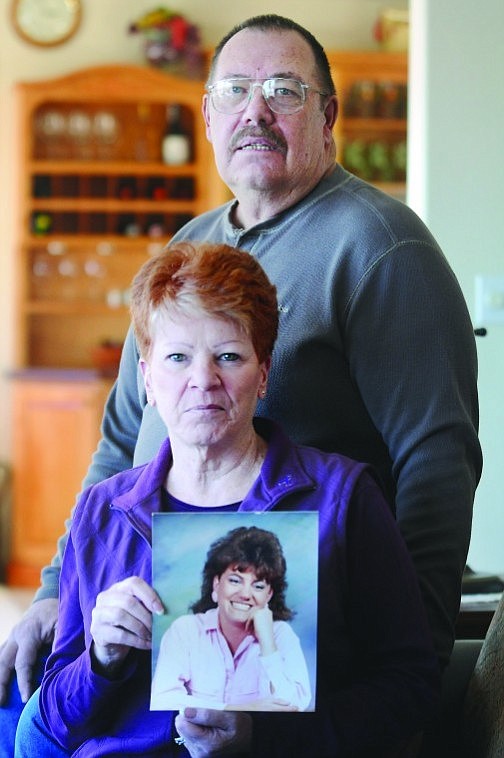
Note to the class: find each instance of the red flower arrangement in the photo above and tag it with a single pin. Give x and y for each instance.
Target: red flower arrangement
(170, 41)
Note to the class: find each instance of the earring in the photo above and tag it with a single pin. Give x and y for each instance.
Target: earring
(262, 393)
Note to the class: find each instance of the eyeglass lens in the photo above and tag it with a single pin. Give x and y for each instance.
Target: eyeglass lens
(282, 95)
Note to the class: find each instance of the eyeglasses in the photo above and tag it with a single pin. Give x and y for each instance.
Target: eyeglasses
(282, 95)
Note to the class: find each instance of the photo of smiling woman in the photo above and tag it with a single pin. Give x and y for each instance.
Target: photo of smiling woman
(236, 650)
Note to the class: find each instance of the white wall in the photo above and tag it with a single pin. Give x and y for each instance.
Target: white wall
(456, 183)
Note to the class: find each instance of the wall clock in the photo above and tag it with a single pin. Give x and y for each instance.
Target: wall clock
(46, 22)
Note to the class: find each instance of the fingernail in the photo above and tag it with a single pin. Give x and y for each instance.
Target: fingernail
(190, 713)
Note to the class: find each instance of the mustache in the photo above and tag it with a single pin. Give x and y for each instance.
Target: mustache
(255, 132)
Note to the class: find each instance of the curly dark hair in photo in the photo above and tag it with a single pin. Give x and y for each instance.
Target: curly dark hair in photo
(247, 548)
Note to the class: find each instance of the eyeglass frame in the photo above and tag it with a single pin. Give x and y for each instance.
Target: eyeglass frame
(253, 83)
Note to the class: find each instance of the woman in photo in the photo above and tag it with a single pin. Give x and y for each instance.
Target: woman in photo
(237, 650)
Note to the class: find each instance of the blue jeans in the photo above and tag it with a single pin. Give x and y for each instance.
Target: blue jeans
(10, 713)
(32, 738)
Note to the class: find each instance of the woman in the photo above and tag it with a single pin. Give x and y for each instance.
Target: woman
(206, 318)
(237, 650)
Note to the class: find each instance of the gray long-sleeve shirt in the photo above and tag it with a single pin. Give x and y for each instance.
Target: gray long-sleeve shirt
(375, 359)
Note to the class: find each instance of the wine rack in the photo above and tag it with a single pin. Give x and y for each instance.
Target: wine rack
(96, 199)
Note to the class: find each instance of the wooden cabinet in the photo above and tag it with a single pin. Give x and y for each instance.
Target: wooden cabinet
(56, 419)
(96, 199)
(371, 129)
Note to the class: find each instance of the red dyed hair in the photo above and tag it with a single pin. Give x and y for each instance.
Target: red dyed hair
(195, 278)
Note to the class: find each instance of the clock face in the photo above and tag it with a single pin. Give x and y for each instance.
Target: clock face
(46, 22)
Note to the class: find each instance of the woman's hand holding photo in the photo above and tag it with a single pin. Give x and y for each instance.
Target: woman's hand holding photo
(208, 733)
(121, 620)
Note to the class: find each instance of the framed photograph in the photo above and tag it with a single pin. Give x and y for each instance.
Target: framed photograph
(240, 594)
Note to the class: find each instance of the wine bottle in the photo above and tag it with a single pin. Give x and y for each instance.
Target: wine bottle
(176, 146)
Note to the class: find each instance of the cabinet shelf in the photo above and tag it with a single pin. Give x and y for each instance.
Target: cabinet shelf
(106, 244)
(375, 124)
(371, 128)
(115, 168)
(86, 205)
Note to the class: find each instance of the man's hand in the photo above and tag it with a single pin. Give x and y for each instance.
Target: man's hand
(209, 733)
(21, 648)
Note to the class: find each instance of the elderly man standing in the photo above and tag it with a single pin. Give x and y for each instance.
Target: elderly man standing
(376, 355)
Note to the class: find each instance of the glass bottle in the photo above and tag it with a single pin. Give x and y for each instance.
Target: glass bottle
(176, 145)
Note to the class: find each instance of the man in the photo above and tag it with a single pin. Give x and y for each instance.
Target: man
(376, 356)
